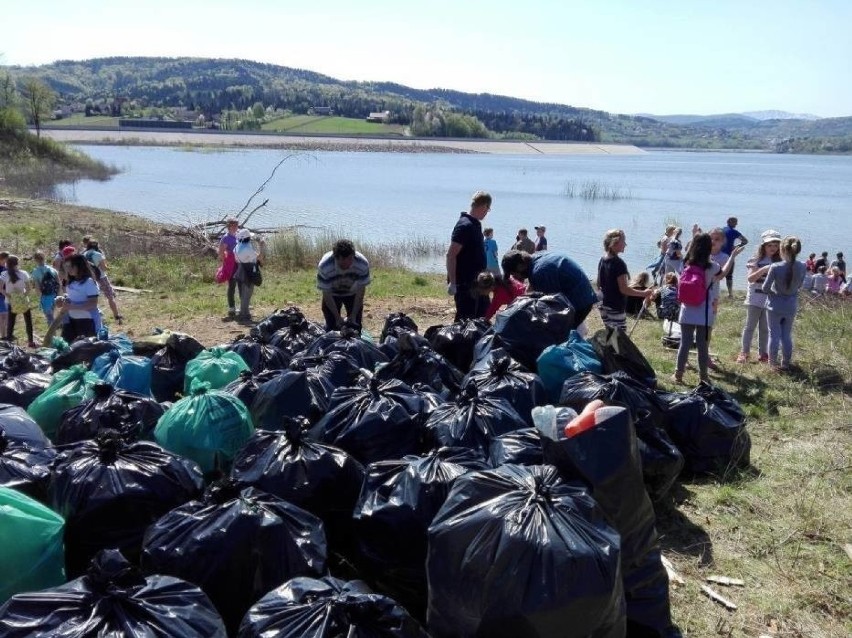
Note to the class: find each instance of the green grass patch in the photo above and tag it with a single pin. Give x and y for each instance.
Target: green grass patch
(79, 120)
(308, 124)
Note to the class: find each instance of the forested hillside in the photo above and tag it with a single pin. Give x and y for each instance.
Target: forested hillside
(213, 87)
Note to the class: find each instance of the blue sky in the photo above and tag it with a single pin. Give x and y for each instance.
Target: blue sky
(649, 56)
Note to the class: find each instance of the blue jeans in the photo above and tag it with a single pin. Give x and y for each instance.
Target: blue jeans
(780, 335)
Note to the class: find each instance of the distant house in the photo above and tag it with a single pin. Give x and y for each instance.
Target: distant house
(320, 110)
(379, 116)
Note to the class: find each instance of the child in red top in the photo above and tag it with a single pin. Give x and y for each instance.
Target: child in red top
(505, 291)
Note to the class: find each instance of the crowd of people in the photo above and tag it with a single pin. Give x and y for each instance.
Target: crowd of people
(684, 282)
(66, 291)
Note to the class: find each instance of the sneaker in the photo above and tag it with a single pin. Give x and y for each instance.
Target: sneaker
(742, 357)
(32, 344)
(677, 377)
(712, 365)
(764, 358)
(119, 319)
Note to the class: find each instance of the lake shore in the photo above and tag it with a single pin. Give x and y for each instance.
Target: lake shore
(333, 143)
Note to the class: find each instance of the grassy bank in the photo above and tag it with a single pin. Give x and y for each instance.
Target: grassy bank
(781, 527)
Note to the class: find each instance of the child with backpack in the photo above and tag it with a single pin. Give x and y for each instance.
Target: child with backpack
(697, 295)
(46, 281)
(782, 289)
(16, 286)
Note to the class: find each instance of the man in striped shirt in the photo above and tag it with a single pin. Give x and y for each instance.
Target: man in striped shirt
(343, 275)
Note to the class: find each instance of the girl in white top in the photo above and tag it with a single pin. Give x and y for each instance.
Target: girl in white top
(755, 302)
(17, 288)
(248, 258)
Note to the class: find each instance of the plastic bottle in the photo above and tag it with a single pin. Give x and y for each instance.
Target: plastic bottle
(544, 418)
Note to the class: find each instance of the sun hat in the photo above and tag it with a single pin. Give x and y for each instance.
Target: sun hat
(540, 228)
(243, 233)
(68, 251)
(770, 236)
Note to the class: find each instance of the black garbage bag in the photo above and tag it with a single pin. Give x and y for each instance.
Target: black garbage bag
(109, 491)
(23, 389)
(456, 341)
(319, 478)
(258, 354)
(420, 364)
(327, 608)
(288, 329)
(398, 501)
(294, 393)
(472, 420)
(617, 352)
(133, 415)
(236, 544)
(113, 598)
(84, 350)
(708, 426)
(390, 346)
(348, 341)
(522, 447)
(515, 552)
(488, 347)
(661, 460)
(26, 454)
(397, 323)
(504, 378)
(338, 369)
(533, 322)
(169, 366)
(606, 457)
(383, 420)
(18, 361)
(246, 386)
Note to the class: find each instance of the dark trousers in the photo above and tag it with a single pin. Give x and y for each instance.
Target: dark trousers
(28, 324)
(232, 289)
(469, 306)
(75, 328)
(348, 302)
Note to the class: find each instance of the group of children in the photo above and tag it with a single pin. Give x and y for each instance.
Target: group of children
(822, 277)
(71, 284)
(689, 296)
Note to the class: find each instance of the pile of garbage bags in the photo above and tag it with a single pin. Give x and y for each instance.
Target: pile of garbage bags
(475, 480)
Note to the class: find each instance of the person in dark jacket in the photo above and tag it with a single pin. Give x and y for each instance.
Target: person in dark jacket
(466, 259)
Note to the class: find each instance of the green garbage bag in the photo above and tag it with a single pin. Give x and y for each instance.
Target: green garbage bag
(31, 550)
(208, 426)
(69, 388)
(216, 366)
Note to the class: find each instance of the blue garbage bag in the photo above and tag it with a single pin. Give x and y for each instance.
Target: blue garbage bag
(560, 362)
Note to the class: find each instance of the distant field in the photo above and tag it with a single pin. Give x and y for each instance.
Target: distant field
(79, 119)
(307, 124)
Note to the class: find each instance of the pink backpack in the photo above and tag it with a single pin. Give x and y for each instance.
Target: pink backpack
(692, 288)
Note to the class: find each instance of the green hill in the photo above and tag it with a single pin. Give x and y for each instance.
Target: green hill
(213, 86)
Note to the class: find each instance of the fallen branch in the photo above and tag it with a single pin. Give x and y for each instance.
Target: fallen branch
(727, 582)
(718, 598)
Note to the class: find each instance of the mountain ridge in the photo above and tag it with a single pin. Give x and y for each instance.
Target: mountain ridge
(212, 85)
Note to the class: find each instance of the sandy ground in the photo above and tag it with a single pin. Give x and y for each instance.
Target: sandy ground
(496, 147)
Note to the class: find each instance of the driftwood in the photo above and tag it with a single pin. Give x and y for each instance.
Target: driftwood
(718, 598)
(205, 235)
(727, 582)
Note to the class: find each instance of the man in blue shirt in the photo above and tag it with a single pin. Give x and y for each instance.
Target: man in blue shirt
(553, 273)
(466, 259)
(731, 236)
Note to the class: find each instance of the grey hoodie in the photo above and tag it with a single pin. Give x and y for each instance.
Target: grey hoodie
(781, 297)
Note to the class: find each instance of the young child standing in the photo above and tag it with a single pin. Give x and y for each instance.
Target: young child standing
(782, 289)
(95, 256)
(16, 286)
(46, 282)
(755, 301)
(492, 264)
(696, 319)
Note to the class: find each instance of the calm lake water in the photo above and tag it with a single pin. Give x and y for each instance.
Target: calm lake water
(388, 196)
